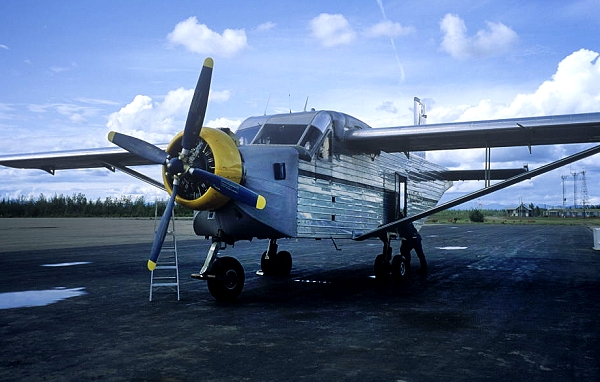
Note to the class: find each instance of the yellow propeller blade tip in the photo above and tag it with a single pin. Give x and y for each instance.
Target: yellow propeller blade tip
(261, 202)
(151, 265)
(208, 62)
(111, 136)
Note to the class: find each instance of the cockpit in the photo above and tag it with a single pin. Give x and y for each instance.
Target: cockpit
(307, 130)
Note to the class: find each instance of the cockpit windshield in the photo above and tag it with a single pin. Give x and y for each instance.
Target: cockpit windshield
(299, 129)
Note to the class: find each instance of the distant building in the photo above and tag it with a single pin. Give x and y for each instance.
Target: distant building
(520, 211)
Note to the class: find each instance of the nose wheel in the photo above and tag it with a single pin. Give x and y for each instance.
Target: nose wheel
(225, 279)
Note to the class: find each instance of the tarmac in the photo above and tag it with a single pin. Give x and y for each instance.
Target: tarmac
(501, 302)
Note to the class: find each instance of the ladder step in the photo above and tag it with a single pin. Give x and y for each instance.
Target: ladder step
(165, 267)
(168, 261)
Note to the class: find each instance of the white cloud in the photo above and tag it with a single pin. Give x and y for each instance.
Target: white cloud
(232, 124)
(75, 113)
(219, 96)
(153, 121)
(389, 29)
(158, 122)
(496, 39)
(198, 38)
(332, 30)
(266, 26)
(5, 47)
(574, 88)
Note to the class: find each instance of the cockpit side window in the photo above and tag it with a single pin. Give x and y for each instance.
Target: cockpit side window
(246, 135)
(311, 138)
(280, 134)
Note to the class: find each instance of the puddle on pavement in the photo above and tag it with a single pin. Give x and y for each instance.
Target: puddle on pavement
(32, 298)
(66, 264)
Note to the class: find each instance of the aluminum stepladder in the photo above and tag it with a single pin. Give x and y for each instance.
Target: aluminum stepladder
(166, 273)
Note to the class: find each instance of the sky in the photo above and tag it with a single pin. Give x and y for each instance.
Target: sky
(71, 71)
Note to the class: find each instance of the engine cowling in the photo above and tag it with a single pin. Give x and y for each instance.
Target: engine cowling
(216, 152)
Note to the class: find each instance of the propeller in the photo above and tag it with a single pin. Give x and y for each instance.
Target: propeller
(229, 188)
(180, 166)
(138, 147)
(161, 232)
(197, 111)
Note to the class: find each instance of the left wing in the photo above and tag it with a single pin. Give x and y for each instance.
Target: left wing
(561, 129)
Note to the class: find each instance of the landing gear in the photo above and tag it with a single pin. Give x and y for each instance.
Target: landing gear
(275, 263)
(382, 268)
(399, 266)
(226, 279)
(400, 269)
(225, 276)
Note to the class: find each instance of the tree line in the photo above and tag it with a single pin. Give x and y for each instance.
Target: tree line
(78, 205)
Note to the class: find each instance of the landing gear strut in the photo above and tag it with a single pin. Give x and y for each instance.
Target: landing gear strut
(275, 263)
(224, 275)
(384, 264)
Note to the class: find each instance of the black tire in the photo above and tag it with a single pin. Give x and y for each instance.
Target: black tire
(400, 269)
(279, 264)
(228, 280)
(382, 269)
(283, 263)
(267, 264)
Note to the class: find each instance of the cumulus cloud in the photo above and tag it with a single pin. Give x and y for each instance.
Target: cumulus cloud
(496, 39)
(198, 38)
(389, 29)
(332, 30)
(573, 88)
(158, 122)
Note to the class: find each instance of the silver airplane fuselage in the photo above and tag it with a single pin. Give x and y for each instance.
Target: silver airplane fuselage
(318, 187)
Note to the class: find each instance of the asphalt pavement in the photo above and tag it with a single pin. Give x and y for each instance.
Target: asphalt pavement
(501, 302)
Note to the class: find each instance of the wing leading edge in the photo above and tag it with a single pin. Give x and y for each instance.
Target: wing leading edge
(531, 131)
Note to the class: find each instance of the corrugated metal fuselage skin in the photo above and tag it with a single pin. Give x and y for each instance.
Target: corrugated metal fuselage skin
(333, 197)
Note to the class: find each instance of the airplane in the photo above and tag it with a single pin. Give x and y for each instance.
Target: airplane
(315, 174)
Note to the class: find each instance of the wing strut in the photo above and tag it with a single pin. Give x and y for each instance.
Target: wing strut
(381, 231)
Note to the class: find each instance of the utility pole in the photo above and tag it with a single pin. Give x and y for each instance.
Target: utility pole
(584, 191)
(564, 199)
(574, 189)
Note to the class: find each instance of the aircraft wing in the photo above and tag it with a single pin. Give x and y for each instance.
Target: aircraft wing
(561, 129)
(73, 159)
(110, 158)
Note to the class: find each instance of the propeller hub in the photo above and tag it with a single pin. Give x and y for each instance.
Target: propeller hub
(175, 166)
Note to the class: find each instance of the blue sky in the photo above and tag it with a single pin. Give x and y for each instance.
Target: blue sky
(70, 71)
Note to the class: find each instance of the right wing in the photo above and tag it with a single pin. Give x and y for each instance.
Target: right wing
(74, 159)
(110, 158)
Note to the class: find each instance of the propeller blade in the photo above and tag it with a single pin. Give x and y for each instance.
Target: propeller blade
(161, 232)
(197, 111)
(138, 147)
(230, 189)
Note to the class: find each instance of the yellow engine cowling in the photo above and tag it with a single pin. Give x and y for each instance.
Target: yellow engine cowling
(223, 155)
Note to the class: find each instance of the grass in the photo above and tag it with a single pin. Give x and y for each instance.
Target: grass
(499, 217)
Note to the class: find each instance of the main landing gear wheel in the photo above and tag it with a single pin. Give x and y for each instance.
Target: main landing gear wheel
(382, 268)
(278, 264)
(399, 269)
(228, 279)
